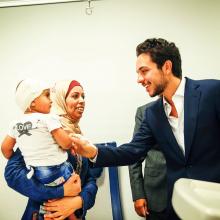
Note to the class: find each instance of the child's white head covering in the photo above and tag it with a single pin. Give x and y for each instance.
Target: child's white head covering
(27, 90)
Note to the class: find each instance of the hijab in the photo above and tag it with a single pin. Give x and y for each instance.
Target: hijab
(58, 96)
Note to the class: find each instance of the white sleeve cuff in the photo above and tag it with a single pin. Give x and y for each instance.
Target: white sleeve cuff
(93, 160)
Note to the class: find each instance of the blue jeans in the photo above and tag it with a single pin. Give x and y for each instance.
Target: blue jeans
(53, 175)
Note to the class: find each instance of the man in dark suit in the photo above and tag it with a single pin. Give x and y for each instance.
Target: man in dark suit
(149, 192)
(185, 121)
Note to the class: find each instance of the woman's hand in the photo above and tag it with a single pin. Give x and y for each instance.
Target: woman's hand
(62, 208)
(72, 217)
(72, 187)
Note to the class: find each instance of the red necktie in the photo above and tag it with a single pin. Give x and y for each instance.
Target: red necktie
(173, 112)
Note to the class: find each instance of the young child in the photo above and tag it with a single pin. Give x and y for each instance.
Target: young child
(39, 135)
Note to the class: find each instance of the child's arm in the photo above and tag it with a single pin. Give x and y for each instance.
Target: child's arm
(7, 146)
(62, 138)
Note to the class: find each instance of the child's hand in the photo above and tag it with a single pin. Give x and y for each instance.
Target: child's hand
(72, 151)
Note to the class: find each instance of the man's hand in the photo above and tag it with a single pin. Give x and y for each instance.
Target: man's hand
(72, 187)
(140, 206)
(83, 147)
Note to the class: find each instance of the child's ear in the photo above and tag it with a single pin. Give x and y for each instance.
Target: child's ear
(32, 104)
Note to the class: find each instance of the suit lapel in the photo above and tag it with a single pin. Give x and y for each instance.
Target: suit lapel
(163, 128)
(191, 106)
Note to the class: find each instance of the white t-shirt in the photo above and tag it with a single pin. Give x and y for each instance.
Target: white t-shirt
(33, 137)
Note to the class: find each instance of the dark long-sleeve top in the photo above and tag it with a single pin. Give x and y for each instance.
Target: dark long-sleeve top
(15, 175)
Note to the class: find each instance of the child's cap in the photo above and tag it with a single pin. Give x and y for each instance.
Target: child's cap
(27, 90)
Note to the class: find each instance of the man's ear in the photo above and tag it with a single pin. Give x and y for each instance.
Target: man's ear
(167, 67)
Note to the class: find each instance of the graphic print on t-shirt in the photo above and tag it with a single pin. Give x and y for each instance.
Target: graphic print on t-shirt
(24, 128)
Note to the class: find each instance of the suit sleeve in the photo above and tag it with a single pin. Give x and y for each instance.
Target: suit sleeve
(135, 170)
(129, 153)
(16, 178)
(218, 101)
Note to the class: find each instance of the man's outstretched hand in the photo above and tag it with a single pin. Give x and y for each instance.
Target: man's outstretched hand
(83, 147)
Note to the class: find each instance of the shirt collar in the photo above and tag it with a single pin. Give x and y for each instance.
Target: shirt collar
(181, 88)
(179, 92)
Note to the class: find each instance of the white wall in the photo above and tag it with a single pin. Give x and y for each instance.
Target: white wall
(59, 41)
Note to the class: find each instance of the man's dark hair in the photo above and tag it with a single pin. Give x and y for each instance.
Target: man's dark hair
(161, 50)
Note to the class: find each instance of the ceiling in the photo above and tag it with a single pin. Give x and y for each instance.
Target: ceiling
(16, 3)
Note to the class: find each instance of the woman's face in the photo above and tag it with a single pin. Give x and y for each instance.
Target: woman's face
(75, 102)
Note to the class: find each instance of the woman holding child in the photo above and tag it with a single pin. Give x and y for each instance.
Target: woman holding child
(68, 103)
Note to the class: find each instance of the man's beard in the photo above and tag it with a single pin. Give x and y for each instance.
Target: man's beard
(159, 89)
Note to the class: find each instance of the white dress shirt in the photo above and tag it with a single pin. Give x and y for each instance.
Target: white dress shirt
(177, 124)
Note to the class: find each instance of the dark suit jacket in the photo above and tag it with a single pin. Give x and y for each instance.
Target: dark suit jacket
(153, 185)
(201, 134)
